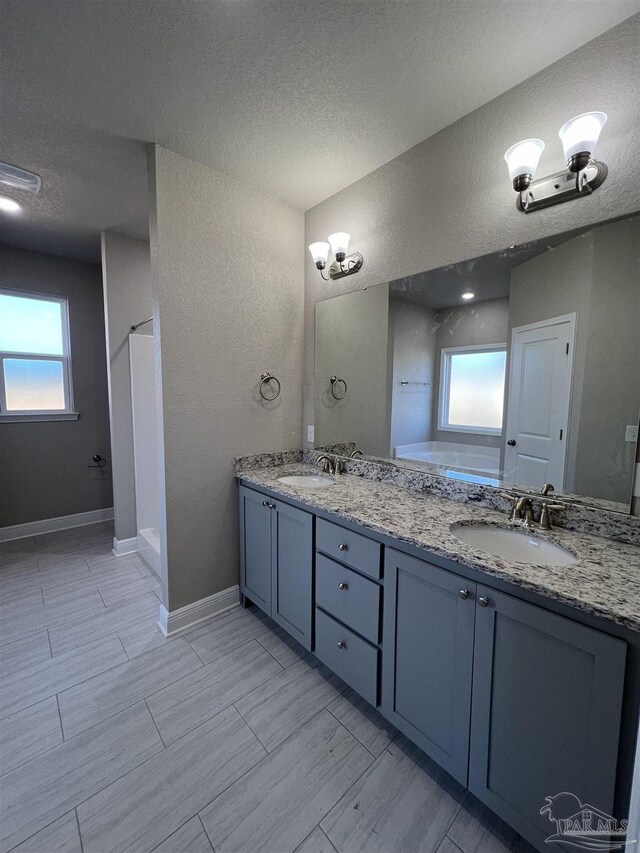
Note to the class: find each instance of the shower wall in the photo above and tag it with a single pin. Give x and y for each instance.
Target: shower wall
(145, 448)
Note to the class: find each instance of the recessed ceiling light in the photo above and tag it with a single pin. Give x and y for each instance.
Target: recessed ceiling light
(468, 295)
(9, 205)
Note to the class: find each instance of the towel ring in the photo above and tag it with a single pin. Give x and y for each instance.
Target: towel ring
(335, 381)
(264, 379)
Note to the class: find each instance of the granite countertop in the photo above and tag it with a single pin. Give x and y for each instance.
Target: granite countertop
(605, 581)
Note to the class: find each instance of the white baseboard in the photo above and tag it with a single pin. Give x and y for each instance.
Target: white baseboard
(51, 525)
(125, 546)
(198, 612)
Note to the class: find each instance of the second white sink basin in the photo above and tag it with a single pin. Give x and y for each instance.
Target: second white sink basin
(309, 481)
(517, 545)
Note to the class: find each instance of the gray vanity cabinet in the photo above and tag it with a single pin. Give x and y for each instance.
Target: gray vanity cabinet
(428, 657)
(255, 548)
(276, 561)
(547, 699)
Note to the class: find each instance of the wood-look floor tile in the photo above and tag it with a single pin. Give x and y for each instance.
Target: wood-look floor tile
(447, 846)
(19, 601)
(316, 842)
(227, 632)
(281, 645)
(105, 694)
(190, 838)
(275, 805)
(61, 836)
(281, 705)
(116, 591)
(143, 808)
(41, 680)
(110, 620)
(476, 829)
(403, 802)
(36, 578)
(40, 791)
(24, 652)
(29, 733)
(61, 589)
(197, 697)
(363, 721)
(143, 636)
(27, 622)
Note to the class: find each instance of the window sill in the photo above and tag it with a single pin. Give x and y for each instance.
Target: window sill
(36, 418)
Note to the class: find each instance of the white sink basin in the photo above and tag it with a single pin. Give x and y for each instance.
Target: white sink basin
(307, 481)
(517, 545)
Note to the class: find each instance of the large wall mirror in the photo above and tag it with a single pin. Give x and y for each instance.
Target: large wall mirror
(517, 368)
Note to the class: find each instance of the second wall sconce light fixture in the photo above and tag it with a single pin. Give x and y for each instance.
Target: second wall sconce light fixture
(343, 264)
(582, 176)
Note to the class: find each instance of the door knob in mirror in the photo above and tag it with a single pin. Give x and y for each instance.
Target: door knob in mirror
(511, 442)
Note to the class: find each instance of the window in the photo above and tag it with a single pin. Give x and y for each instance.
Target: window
(472, 389)
(35, 365)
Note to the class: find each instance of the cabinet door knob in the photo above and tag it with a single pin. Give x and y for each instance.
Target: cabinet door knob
(343, 547)
(512, 442)
(342, 644)
(265, 503)
(483, 601)
(343, 585)
(464, 593)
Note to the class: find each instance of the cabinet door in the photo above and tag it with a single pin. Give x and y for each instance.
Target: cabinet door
(427, 658)
(292, 575)
(255, 548)
(547, 698)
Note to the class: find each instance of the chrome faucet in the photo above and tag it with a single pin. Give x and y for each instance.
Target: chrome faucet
(522, 511)
(330, 465)
(356, 454)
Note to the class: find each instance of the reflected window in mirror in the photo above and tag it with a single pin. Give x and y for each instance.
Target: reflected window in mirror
(472, 389)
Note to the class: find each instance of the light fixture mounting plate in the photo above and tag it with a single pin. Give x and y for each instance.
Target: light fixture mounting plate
(562, 186)
(352, 263)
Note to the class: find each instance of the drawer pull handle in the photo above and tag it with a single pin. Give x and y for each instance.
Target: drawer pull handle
(343, 585)
(342, 644)
(483, 601)
(343, 547)
(464, 594)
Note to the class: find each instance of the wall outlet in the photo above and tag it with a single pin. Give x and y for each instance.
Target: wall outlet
(311, 432)
(631, 433)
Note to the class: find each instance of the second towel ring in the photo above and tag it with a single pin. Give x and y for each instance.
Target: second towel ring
(336, 381)
(264, 380)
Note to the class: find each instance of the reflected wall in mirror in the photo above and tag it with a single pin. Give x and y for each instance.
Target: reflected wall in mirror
(521, 367)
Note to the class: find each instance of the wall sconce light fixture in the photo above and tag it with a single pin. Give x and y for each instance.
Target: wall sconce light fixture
(343, 264)
(582, 176)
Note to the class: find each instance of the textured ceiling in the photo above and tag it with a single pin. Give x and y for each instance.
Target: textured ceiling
(297, 97)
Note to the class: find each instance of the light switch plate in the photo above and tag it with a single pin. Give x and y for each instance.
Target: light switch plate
(631, 433)
(311, 433)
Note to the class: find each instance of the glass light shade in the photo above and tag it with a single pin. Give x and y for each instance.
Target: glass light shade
(339, 242)
(523, 157)
(581, 133)
(319, 252)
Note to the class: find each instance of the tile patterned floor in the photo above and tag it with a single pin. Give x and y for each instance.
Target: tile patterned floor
(228, 738)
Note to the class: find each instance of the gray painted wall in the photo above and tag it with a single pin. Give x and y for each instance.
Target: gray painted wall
(44, 465)
(466, 326)
(449, 198)
(353, 338)
(412, 341)
(126, 279)
(227, 266)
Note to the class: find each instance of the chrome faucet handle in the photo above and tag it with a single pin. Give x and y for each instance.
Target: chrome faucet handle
(545, 520)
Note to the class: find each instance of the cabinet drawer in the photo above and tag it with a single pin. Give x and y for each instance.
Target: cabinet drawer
(351, 548)
(354, 660)
(349, 597)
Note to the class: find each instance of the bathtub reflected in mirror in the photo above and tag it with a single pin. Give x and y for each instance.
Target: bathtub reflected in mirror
(521, 367)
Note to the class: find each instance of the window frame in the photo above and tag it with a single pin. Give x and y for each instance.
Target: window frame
(445, 382)
(29, 415)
